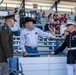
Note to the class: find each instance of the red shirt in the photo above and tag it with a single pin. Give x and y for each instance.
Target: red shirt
(62, 19)
(57, 26)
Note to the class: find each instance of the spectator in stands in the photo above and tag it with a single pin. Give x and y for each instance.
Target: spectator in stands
(51, 26)
(38, 18)
(55, 17)
(43, 14)
(22, 16)
(46, 27)
(70, 43)
(50, 16)
(15, 11)
(75, 18)
(63, 17)
(68, 17)
(57, 27)
(6, 44)
(16, 29)
(29, 37)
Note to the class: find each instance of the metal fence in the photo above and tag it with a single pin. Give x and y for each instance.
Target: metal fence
(44, 45)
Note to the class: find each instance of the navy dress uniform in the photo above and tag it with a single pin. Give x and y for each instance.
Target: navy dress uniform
(6, 46)
(29, 38)
(70, 43)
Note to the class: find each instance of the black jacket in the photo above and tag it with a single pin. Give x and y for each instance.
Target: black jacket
(69, 42)
(6, 43)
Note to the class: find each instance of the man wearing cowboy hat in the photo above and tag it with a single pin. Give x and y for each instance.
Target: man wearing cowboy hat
(29, 37)
(70, 43)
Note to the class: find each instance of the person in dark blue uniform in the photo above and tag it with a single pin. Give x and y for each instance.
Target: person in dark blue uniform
(70, 43)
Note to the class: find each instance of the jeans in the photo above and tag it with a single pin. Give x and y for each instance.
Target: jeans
(32, 52)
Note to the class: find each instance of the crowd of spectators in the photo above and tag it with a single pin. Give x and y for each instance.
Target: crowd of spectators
(54, 21)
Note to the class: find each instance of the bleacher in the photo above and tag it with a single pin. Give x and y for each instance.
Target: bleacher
(46, 64)
(44, 45)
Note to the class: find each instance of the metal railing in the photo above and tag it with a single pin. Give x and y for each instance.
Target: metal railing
(44, 45)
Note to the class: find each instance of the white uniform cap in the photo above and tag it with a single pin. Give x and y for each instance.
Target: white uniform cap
(70, 23)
